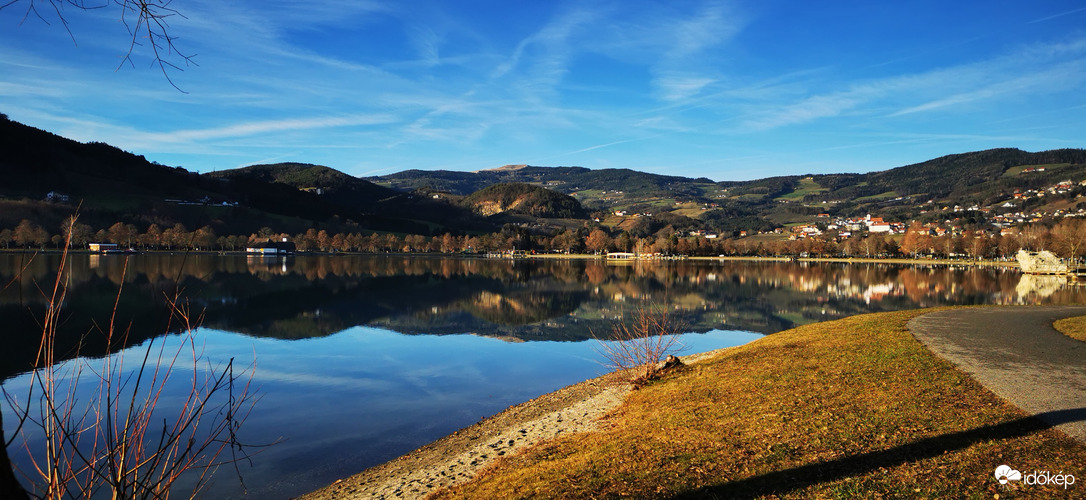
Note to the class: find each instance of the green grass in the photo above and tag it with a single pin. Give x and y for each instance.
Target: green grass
(854, 408)
(1015, 171)
(1072, 327)
(806, 186)
(588, 193)
(877, 197)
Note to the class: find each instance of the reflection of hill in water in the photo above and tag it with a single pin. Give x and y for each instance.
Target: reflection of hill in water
(522, 308)
(535, 300)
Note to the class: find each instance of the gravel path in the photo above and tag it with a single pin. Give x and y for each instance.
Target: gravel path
(1015, 353)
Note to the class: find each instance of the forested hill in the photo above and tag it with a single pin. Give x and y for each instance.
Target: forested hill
(957, 175)
(524, 199)
(379, 208)
(331, 183)
(973, 176)
(562, 179)
(967, 179)
(110, 185)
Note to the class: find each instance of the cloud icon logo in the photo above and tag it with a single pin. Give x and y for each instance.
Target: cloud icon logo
(1004, 474)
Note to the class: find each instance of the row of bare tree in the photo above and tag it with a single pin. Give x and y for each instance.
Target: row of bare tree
(1066, 237)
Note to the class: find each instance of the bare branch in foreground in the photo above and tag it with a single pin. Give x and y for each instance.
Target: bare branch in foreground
(639, 347)
(132, 431)
(147, 23)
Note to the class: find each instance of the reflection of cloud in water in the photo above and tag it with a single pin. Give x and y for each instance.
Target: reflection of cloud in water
(1041, 285)
(265, 375)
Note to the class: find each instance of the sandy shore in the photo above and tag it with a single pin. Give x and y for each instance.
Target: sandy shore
(457, 457)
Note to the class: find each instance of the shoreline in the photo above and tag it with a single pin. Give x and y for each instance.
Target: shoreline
(548, 256)
(459, 456)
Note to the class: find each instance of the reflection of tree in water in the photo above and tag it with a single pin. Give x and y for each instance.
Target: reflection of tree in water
(304, 297)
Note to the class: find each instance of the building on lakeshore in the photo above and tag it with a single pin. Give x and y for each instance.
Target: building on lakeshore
(270, 247)
(102, 247)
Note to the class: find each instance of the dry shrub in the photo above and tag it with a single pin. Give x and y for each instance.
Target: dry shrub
(639, 346)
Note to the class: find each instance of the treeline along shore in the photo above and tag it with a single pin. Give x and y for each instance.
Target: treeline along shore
(1066, 238)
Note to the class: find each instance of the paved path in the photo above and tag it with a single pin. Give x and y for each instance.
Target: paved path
(1015, 353)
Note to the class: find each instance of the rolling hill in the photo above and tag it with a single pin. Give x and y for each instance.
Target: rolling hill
(978, 178)
(374, 207)
(523, 199)
(111, 185)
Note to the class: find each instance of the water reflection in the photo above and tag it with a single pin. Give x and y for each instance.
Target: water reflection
(357, 357)
(308, 297)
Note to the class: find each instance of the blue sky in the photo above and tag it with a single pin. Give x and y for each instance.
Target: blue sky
(726, 90)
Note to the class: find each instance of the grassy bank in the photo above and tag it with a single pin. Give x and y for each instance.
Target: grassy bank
(844, 409)
(1072, 327)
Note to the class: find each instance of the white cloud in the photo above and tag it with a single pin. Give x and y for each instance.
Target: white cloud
(685, 67)
(1027, 72)
(810, 109)
(1055, 16)
(540, 61)
(675, 87)
(262, 127)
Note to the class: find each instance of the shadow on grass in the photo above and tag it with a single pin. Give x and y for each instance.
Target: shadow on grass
(785, 481)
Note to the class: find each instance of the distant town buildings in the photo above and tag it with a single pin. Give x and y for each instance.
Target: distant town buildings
(270, 247)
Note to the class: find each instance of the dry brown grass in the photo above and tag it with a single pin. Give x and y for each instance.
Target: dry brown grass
(844, 409)
(1072, 327)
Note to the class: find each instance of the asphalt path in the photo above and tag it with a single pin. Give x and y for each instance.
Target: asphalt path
(1015, 353)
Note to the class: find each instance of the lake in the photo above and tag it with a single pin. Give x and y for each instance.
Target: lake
(359, 359)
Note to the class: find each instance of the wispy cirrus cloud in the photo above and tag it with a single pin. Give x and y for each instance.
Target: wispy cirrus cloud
(677, 86)
(263, 127)
(684, 69)
(1042, 68)
(1056, 16)
(591, 148)
(1061, 77)
(539, 61)
(810, 109)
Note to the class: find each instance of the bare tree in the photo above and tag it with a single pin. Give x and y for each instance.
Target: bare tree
(1069, 237)
(147, 23)
(638, 348)
(106, 428)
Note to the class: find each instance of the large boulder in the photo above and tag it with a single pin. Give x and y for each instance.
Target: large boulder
(1043, 262)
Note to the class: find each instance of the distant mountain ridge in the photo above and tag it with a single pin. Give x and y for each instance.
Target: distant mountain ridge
(114, 185)
(561, 179)
(979, 178)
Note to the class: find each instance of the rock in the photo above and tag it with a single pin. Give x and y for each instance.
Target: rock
(671, 362)
(1043, 262)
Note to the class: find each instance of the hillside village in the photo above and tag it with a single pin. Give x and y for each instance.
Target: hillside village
(999, 218)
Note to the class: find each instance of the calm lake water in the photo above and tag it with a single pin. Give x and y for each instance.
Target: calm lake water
(359, 359)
